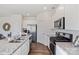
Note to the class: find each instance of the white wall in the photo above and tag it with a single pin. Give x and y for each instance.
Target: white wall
(44, 24)
(15, 21)
(29, 20)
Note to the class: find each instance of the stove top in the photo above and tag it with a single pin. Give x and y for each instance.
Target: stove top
(60, 39)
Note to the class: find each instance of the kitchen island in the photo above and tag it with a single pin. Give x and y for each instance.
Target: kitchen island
(19, 48)
(66, 48)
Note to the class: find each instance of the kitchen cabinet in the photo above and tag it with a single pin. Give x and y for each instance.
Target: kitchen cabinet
(71, 17)
(47, 38)
(60, 51)
(23, 49)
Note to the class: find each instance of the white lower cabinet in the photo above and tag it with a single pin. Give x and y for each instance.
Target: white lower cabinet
(23, 50)
(46, 40)
(60, 51)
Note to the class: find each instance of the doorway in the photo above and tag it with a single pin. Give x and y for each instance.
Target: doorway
(33, 30)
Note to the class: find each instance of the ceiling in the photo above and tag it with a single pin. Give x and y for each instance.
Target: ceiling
(25, 9)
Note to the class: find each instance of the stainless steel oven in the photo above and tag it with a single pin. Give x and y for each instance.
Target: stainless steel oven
(52, 45)
(59, 38)
(53, 48)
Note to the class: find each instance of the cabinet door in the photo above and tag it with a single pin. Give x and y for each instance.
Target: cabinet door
(23, 50)
(46, 40)
(18, 52)
(60, 51)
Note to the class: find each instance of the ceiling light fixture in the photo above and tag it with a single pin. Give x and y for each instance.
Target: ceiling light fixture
(45, 8)
(54, 7)
(28, 14)
(61, 7)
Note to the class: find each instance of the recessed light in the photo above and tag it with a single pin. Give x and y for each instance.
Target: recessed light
(53, 7)
(61, 7)
(28, 14)
(45, 8)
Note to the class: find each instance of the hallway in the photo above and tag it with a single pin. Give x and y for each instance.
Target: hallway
(39, 49)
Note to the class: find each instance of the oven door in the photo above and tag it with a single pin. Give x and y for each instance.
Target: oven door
(53, 48)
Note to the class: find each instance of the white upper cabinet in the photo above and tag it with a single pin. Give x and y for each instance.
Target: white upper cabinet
(72, 16)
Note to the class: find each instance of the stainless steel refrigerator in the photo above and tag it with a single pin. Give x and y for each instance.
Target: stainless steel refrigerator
(33, 30)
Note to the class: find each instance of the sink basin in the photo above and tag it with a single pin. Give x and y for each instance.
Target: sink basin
(15, 41)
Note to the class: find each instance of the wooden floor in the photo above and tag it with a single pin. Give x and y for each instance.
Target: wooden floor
(39, 49)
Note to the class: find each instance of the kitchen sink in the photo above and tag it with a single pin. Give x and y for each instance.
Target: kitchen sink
(14, 41)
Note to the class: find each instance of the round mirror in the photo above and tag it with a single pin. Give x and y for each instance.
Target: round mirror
(6, 26)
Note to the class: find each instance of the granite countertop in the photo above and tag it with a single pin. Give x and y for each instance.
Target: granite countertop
(68, 47)
(7, 48)
(50, 34)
